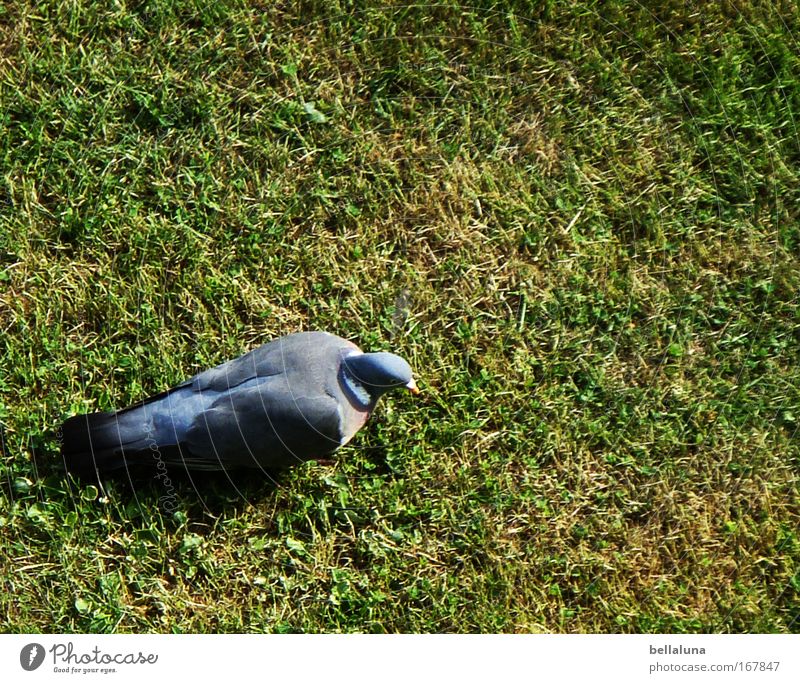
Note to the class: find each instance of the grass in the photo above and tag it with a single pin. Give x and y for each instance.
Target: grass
(578, 223)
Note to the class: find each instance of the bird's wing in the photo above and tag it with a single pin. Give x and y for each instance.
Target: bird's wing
(264, 424)
(267, 360)
(289, 356)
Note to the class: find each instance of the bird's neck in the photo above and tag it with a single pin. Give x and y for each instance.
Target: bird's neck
(356, 390)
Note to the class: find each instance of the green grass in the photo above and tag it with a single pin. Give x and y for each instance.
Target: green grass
(580, 225)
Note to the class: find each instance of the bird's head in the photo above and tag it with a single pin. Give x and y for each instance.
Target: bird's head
(380, 372)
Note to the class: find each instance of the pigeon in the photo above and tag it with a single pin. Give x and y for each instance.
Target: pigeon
(294, 399)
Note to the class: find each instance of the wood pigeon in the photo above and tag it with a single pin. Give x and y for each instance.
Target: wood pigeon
(297, 398)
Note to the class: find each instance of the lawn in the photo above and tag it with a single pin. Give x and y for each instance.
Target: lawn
(578, 221)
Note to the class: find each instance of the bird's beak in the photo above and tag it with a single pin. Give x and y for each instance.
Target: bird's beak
(412, 386)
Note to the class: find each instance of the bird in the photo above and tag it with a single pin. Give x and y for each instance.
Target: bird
(296, 398)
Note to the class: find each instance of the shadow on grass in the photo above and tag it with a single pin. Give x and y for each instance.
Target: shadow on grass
(172, 489)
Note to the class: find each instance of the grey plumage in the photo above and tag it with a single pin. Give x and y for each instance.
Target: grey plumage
(294, 399)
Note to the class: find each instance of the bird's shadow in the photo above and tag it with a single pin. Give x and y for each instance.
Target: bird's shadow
(173, 489)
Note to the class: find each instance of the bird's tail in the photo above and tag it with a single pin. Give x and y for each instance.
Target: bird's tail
(99, 442)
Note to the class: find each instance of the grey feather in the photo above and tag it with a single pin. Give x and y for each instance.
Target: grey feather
(288, 401)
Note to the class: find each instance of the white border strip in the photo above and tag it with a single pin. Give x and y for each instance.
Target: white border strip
(441, 658)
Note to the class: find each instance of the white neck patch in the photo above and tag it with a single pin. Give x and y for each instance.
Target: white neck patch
(357, 389)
